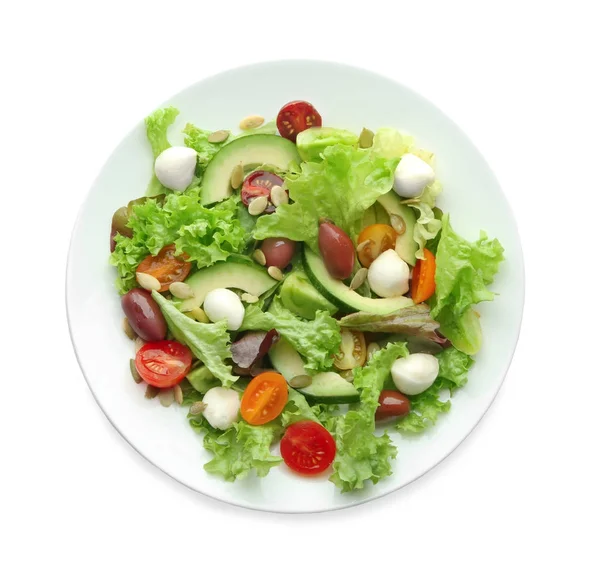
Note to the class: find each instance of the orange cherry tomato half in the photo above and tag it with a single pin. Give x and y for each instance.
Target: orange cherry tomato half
(166, 267)
(423, 278)
(264, 398)
(381, 238)
(295, 117)
(163, 363)
(307, 448)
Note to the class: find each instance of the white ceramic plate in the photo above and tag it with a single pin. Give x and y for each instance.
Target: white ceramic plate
(346, 97)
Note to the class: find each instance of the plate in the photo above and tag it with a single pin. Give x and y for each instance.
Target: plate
(346, 97)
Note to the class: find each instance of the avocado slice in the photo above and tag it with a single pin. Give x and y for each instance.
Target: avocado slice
(246, 151)
(298, 295)
(237, 272)
(406, 246)
(341, 295)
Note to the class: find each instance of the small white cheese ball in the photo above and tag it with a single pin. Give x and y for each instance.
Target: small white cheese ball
(224, 304)
(222, 407)
(388, 274)
(415, 373)
(412, 176)
(175, 167)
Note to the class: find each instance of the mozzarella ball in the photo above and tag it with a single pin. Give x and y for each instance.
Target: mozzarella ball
(412, 176)
(388, 274)
(175, 167)
(223, 304)
(415, 373)
(222, 407)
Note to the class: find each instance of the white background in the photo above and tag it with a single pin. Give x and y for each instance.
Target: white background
(521, 494)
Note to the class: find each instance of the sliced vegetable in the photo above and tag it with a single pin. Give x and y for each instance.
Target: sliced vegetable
(166, 267)
(330, 388)
(259, 184)
(374, 240)
(307, 448)
(264, 398)
(163, 363)
(353, 350)
(296, 116)
(423, 279)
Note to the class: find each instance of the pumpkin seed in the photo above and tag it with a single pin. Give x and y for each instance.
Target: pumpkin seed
(362, 246)
(198, 314)
(139, 342)
(147, 281)
(181, 290)
(197, 408)
(358, 279)
(275, 273)
(237, 176)
(258, 205)
(178, 394)
(134, 371)
(166, 397)
(250, 298)
(151, 392)
(372, 349)
(218, 136)
(259, 257)
(398, 224)
(347, 375)
(279, 196)
(128, 330)
(301, 381)
(251, 122)
(365, 139)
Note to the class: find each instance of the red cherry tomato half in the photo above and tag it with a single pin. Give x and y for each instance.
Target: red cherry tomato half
(307, 448)
(164, 363)
(295, 117)
(259, 183)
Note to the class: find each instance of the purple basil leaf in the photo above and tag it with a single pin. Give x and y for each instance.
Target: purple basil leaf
(251, 347)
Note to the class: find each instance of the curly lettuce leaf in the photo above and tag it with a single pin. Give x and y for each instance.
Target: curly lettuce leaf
(341, 188)
(427, 225)
(427, 406)
(240, 449)
(297, 409)
(463, 271)
(204, 235)
(317, 340)
(390, 143)
(157, 125)
(209, 343)
(312, 142)
(361, 455)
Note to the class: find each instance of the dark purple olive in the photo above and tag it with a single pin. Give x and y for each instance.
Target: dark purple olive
(392, 404)
(337, 250)
(144, 315)
(278, 252)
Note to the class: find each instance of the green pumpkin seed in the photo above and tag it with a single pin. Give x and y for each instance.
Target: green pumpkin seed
(365, 139)
(218, 136)
(237, 176)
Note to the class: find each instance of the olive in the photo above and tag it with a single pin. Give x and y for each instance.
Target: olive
(278, 252)
(143, 314)
(337, 250)
(119, 222)
(392, 404)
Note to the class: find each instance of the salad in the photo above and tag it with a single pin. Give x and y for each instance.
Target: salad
(295, 284)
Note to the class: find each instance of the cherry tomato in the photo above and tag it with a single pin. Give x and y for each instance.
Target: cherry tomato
(264, 398)
(392, 404)
(166, 267)
(381, 238)
(295, 117)
(307, 448)
(337, 250)
(278, 251)
(423, 279)
(258, 184)
(164, 363)
(353, 350)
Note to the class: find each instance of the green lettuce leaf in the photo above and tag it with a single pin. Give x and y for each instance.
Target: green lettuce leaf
(463, 271)
(340, 188)
(297, 409)
(427, 226)
(391, 144)
(361, 456)
(240, 449)
(157, 125)
(317, 340)
(205, 235)
(411, 321)
(312, 142)
(209, 343)
(427, 406)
